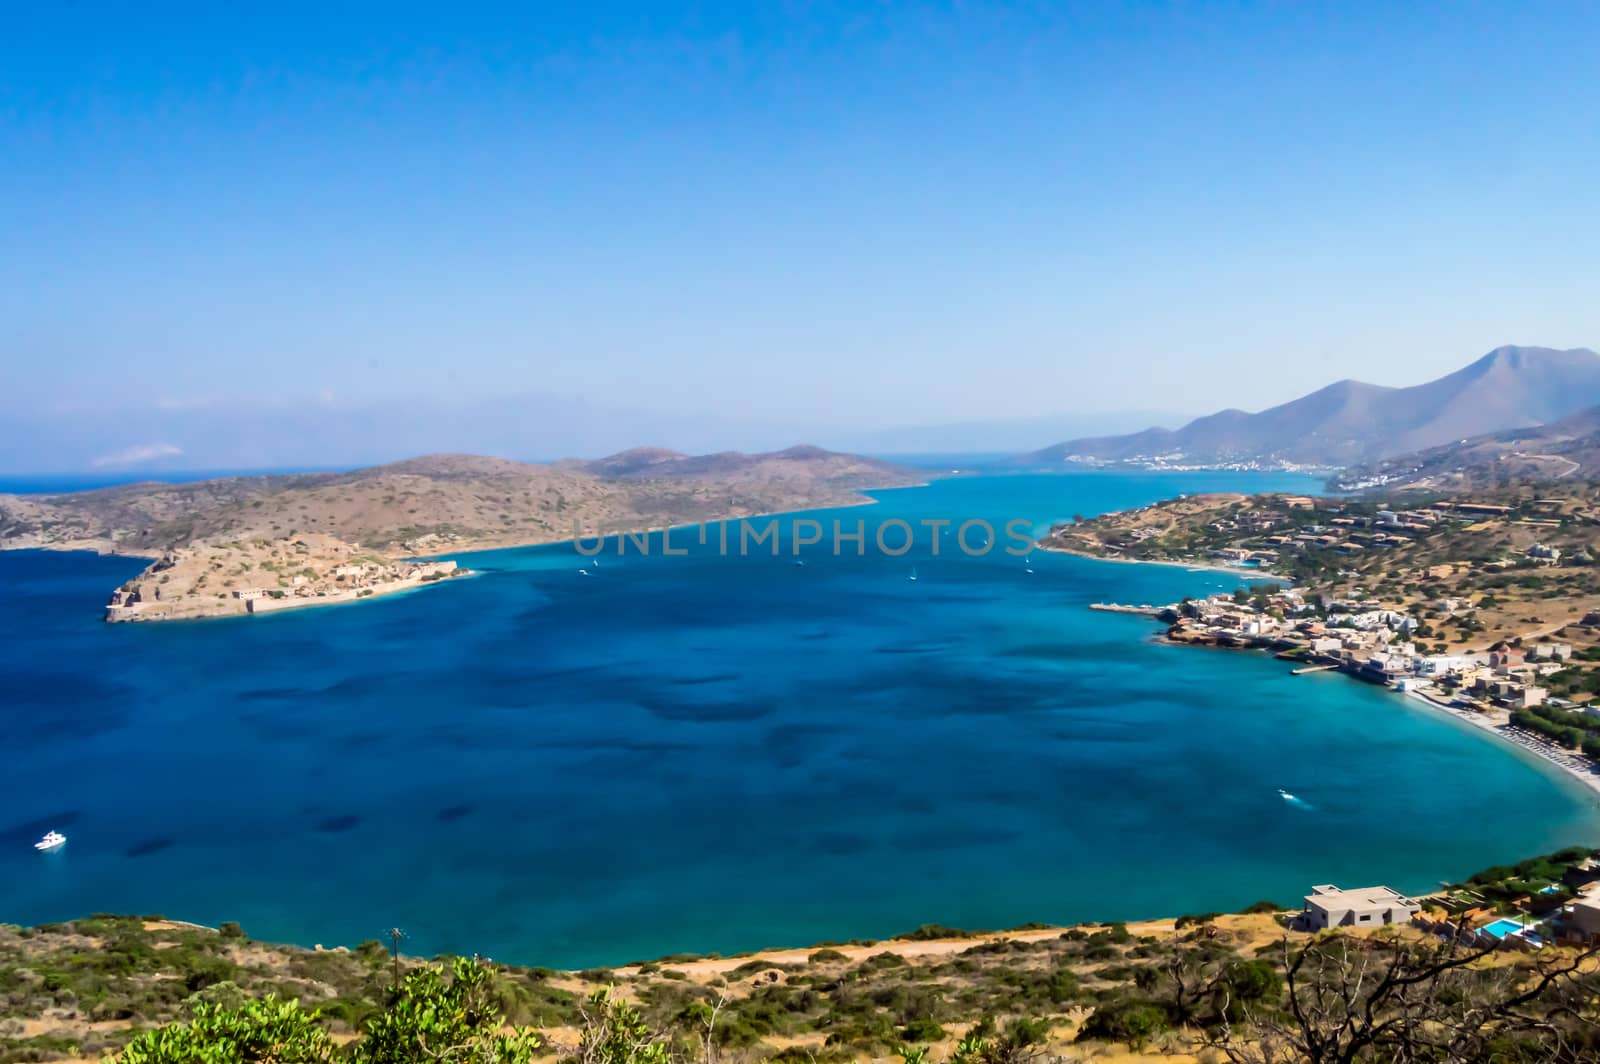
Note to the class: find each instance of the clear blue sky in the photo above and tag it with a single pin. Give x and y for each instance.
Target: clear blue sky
(843, 212)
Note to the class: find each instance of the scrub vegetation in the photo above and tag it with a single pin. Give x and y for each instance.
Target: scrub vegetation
(1240, 987)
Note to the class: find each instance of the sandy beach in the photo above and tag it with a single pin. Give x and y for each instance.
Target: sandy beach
(1575, 765)
(1239, 571)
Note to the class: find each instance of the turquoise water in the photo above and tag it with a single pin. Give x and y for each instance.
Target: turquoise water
(702, 753)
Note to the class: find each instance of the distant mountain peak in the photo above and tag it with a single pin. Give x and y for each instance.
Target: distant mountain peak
(1350, 422)
(1518, 356)
(453, 465)
(803, 459)
(644, 454)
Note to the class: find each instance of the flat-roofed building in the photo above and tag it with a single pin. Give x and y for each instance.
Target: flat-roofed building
(1580, 921)
(1328, 906)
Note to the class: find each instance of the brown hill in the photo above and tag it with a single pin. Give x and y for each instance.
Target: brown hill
(1564, 450)
(459, 501)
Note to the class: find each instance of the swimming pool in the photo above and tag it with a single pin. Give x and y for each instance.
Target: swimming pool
(1501, 928)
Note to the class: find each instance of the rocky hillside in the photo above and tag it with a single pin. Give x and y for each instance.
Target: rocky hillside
(1208, 987)
(1564, 450)
(1351, 422)
(444, 501)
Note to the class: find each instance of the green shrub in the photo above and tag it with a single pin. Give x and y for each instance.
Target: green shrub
(1130, 1020)
(880, 961)
(1263, 906)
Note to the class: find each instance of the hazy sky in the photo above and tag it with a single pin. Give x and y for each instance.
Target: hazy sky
(863, 213)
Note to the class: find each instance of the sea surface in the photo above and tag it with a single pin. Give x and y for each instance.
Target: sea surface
(706, 753)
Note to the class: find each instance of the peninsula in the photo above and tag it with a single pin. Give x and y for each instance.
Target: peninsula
(239, 545)
(1485, 604)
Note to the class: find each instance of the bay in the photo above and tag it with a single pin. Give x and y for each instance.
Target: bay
(704, 752)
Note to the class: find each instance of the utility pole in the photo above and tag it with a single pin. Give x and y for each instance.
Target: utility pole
(395, 935)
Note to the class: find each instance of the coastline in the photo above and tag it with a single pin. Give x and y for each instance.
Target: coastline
(110, 549)
(1195, 567)
(297, 605)
(655, 529)
(103, 547)
(1569, 764)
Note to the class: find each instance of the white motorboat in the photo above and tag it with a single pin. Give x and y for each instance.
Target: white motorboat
(52, 841)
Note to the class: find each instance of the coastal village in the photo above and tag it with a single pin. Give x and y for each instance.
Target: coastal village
(262, 576)
(1486, 608)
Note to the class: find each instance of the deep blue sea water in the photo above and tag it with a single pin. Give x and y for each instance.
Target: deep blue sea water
(704, 753)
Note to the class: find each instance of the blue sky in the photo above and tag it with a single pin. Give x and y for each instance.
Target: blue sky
(813, 213)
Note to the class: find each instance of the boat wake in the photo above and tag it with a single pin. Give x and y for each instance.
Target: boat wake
(1299, 803)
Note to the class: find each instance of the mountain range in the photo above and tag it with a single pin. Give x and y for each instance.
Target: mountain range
(251, 434)
(1352, 422)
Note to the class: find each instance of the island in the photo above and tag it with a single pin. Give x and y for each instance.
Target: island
(212, 579)
(255, 544)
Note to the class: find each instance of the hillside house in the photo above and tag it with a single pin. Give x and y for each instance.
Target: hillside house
(1328, 906)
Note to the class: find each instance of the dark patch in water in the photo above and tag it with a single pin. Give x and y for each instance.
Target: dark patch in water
(460, 737)
(30, 831)
(351, 685)
(334, 824)
(147, 847)
(622, 743)
(932, 647)
(952, 838)
(454, 812)
(1045, 651)
(578, 670)
(716, 677)
(842, 844)
(811, 636)
(1005, 796)
(264, 693)
(1103, 731)
(46, 706)
(357, 741)
(792, 744)
(708, 712)
(276, 725)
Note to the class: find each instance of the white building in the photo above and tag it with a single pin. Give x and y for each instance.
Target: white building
(1328, 906)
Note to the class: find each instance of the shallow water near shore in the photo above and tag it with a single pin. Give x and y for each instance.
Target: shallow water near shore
(702, 753)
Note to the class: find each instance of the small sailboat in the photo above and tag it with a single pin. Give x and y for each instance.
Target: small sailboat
(1286, 796)
(913, 576)
(53, 840)
(583, 572)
